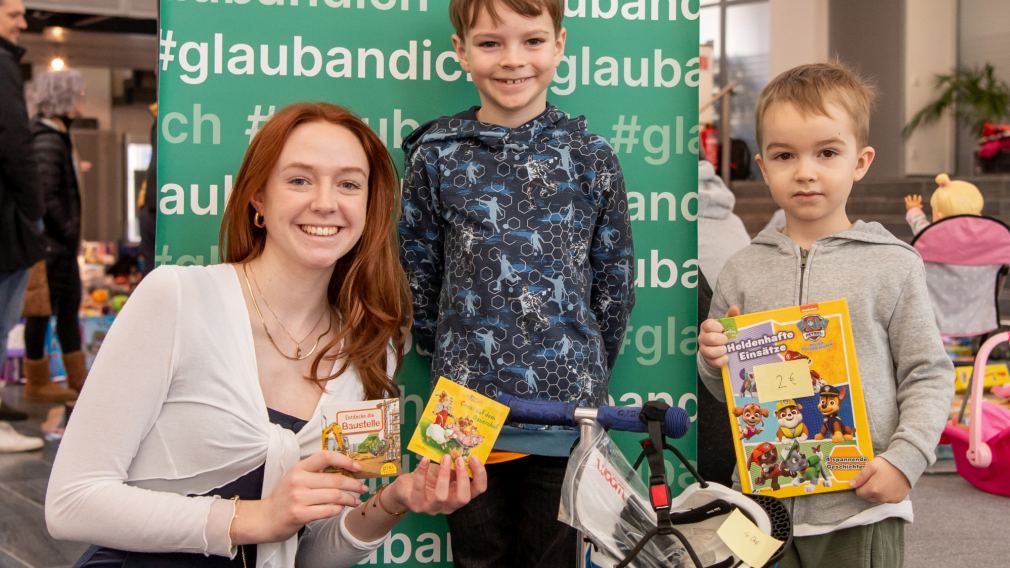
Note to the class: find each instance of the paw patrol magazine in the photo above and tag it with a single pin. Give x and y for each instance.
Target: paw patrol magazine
(795, 400)
(459, 422)
(368, 432)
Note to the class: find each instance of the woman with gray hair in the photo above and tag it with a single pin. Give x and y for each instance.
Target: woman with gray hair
(57, 97)
(58, 93)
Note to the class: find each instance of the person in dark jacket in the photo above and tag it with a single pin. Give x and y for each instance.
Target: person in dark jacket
(20, 203)
(58, 95)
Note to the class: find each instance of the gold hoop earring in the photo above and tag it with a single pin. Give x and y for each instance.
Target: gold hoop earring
(259, 221)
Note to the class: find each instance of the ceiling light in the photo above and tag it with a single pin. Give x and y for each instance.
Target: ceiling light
(55, 33)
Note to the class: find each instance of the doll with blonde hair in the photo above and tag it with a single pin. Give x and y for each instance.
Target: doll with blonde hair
(951, 197)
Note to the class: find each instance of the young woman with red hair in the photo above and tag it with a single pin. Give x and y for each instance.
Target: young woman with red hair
(194, 442)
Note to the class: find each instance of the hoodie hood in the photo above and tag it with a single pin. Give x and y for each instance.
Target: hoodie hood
(715, 200)
(465, 127)
(861, 231)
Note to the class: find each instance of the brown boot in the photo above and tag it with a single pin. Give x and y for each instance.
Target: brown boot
(40, 385)
(73, 362)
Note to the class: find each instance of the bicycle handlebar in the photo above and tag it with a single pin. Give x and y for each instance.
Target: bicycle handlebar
(624, 418)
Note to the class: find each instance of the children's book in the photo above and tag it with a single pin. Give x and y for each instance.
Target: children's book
(795, 400)
(457, 422)
(368, 432)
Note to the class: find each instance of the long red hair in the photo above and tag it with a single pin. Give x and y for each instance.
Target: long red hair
(368, 288)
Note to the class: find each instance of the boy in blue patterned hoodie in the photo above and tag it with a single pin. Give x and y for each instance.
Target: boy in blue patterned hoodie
(516, 240)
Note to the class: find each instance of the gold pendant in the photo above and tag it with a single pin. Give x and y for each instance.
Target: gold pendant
(298, 352)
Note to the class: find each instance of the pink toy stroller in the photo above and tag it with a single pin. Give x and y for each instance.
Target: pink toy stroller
(966, 260)
(982, 449)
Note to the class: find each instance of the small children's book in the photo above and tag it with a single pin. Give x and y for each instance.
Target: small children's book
(795, 400)
(368, 432)
(459, 422)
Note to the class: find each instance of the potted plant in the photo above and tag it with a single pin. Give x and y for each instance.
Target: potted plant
(979, 101)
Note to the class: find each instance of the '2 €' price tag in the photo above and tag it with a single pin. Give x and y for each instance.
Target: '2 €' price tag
(779, 381)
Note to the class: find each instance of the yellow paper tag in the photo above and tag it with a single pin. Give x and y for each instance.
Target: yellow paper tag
(779, 381)
(746, 540)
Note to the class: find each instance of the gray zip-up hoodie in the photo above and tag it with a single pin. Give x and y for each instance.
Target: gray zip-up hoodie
(907, 377)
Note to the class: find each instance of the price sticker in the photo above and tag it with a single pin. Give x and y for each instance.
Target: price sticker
(779, 381)
(747, 541)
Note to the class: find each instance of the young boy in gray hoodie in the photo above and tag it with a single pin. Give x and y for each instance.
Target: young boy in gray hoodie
(812, 131)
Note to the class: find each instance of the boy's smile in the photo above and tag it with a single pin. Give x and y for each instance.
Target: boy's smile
(810, 163)
(512, 63)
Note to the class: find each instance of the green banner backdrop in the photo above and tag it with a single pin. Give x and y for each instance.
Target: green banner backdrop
(631, 67)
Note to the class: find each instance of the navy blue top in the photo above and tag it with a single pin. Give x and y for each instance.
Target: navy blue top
(249, 487)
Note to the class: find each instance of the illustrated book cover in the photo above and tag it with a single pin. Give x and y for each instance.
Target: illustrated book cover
(795, 400)
(459, 422)
(368, 432)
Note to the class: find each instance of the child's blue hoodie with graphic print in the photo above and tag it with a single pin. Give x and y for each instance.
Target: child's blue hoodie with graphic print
(517, 246)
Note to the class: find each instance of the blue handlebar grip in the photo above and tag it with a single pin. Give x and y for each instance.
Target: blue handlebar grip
(543, 412)
(626, 419)
(676, 422)
(622, 418)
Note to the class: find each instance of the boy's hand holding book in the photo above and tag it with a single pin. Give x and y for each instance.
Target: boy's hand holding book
(881, 482)
(712, 340)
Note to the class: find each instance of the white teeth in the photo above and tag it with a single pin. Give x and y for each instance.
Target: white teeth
(320, 231)
(514, 81)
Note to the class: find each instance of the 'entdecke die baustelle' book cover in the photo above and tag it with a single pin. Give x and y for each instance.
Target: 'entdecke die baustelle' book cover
(457, 422)
(368, 432)
(795, 400)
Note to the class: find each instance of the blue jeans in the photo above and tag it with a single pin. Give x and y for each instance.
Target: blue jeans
(12, 298)
(515, 523)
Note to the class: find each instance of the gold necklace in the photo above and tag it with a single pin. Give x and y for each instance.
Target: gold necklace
(298, 350)
(298, 344)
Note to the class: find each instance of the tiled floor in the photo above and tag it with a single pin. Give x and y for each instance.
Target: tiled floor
(955, 523)
(24, 540)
